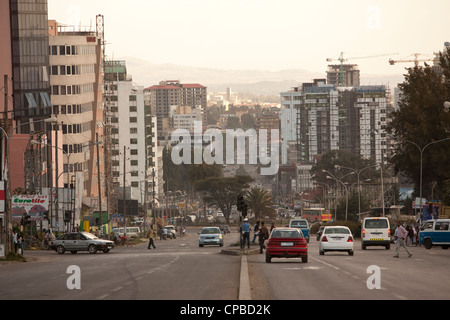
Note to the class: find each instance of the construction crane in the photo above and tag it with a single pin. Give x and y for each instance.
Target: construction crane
(342, 60)
(416, 59)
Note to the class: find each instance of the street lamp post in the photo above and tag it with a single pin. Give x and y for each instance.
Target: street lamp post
(421, 150)
(345, 187)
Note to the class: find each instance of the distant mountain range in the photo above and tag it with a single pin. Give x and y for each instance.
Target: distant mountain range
(258, 82)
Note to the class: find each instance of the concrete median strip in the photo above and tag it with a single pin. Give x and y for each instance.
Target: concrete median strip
(244, 282)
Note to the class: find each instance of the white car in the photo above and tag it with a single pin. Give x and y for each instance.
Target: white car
(171, 232)
(336, 238)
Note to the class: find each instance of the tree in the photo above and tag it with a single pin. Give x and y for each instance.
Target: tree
(223, 191)
(260, 201)
(420, 120)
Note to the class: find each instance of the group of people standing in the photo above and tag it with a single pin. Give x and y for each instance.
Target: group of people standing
(259, 230)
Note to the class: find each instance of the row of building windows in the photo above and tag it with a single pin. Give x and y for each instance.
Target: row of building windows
(63, 90)
(64, 70)
(71, 50)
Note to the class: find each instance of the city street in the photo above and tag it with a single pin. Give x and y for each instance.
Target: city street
(179, 270)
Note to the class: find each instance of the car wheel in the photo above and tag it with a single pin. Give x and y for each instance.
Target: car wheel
(350, 253)
(321, 252)
(73, 251)
(427, 243)
(221, 244)
(363, 246)
(268, 259)
(304, 259)
(105, 250)
(60, 249)
(388, 247)
(200, 245)
(92, 248)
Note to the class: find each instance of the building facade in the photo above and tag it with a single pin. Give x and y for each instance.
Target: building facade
(134, 145)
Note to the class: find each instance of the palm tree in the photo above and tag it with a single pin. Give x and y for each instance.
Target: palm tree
(260, 201)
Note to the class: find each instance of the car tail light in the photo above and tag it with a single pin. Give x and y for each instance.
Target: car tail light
(350, 239)
(324, 239)
(389, 232)
(363, 233)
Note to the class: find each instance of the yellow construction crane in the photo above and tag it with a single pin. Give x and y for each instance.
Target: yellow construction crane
(342, 60)
(416, 59)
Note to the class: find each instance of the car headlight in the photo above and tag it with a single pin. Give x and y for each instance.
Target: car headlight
(220, 237)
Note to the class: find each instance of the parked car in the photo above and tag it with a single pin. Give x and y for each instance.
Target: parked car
(80, 241)
(171, 232)
(375, 231)
(336, 238)
(302, 224)
(287, 243)
(438, 235)
(210, 236)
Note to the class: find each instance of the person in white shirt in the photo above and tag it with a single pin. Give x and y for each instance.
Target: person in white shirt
(400, 235)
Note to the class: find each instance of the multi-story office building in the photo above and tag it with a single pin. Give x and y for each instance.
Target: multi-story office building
(133, 135)
(30, 61)
(76, 91)
(173, 93)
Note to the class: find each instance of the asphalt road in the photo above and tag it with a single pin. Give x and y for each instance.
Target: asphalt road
(338, 276)
(179, 270)
(176, 269)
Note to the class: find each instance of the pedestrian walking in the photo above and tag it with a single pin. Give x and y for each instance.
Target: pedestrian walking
(400, 235)
(151, 242)
(245, 234)
(263, 235)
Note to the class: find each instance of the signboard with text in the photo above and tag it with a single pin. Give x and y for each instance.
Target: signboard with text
(35, 206)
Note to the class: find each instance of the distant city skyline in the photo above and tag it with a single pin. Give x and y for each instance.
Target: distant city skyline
(266, 34)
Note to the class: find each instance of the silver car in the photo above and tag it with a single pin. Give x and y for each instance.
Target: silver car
(210, 235)
(80, 241)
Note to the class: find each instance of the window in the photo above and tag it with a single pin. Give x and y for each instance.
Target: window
(133, 141)
(441, 225)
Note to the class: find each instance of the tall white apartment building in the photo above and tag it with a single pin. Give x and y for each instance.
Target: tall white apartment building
(134, 155)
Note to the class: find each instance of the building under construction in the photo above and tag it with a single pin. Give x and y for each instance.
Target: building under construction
(329, 117)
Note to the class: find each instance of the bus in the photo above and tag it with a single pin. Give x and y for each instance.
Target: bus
(317, 214)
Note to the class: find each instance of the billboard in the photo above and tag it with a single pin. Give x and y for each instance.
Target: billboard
(35, 206)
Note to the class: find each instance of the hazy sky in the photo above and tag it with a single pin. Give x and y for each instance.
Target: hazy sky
(265, 34)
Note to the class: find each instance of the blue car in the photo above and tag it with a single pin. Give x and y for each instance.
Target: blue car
(302, 224)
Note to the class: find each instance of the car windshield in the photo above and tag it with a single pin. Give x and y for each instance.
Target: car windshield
(299, 224)
(287, 234)
(210, 231)
(337, 230)
(89, 235)
(376, 223)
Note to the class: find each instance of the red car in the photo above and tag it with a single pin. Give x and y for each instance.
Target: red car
(287, 243)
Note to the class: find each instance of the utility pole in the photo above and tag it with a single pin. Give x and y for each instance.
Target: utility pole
(124, 198)
(100, 222)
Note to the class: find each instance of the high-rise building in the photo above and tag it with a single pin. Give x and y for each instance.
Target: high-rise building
(345, 75)
(30, 61)
(132, 127)
(76, 92)
(336, 118)
(172, 93)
